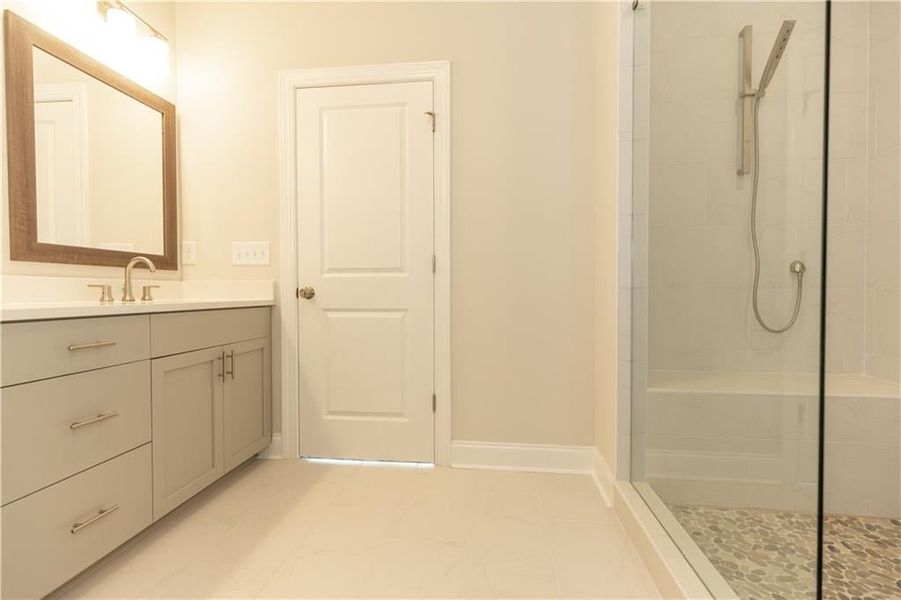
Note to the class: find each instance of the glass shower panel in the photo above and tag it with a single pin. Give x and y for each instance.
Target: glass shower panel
(862, 491)
(727, 261)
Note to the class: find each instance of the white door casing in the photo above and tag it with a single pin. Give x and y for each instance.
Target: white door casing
(365, 203)
(61, 163)
(378, 319)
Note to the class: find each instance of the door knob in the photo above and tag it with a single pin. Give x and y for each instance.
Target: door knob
(306, 292)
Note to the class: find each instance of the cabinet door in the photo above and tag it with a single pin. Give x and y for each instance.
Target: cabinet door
(187, 425)
(248, 402)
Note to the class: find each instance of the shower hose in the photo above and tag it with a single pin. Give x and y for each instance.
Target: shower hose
(797, 267)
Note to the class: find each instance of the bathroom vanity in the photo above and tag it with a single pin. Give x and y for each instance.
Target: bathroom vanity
(111, 422)
(114, 411)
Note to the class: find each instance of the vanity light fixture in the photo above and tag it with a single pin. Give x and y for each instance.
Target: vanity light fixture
(122, 23)
(150, 46)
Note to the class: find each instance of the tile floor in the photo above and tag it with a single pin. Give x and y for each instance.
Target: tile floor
(288, 529)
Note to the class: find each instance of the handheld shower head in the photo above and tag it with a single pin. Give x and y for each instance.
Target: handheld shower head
(785, 33)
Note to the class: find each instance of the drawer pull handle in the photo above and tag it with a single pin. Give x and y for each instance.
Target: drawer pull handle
(74, 347)
(97, 419)
(78, 526)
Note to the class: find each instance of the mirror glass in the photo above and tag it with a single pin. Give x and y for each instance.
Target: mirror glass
(99, 162)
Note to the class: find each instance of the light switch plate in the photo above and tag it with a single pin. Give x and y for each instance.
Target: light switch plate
(250, 253)
(189, 253)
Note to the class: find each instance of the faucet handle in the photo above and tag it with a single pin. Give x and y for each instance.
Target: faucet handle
(147, 292)
(106, 292)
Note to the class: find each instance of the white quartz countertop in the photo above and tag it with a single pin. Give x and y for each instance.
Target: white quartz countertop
(65, 298)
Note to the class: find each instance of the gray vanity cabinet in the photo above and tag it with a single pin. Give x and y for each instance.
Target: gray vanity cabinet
(109, 423)
(187, 426)
(211, 406)
(247, 400)
(211, 412)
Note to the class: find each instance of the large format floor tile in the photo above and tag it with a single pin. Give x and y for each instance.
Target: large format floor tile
(296, 529)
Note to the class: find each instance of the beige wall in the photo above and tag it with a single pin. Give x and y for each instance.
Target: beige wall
(605, 280)
(65, 19)
(524, 179)
(533, 172)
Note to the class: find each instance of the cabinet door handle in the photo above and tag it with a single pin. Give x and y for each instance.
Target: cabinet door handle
(89, 345)
(231, 364)
(79, 525)
(222, 361)
(91, 420)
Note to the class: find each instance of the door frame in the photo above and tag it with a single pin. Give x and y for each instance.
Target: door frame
(438, 73)
(77, 94)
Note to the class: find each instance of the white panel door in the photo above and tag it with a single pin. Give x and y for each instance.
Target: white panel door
(59, 170)
(365, 243)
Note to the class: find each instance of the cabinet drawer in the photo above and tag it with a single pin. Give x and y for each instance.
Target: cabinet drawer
(172, 333)
(52, 535)
(42, 349)
(57, 427)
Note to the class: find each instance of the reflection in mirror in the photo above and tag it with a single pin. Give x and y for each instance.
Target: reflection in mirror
(99, 162)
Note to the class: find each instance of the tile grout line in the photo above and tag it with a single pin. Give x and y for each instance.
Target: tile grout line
(553, 550)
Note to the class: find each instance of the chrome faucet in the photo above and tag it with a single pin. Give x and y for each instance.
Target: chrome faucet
(128, 296)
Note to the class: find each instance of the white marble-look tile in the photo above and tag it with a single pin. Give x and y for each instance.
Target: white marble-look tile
(138, 570)
(211, 579)
(592, 559)
(294, 529)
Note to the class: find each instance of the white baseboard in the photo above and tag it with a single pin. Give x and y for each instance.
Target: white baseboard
(522, 457)
(274, 450)
(603, 478)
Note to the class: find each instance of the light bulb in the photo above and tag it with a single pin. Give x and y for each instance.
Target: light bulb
(122, 24)
(65, 18)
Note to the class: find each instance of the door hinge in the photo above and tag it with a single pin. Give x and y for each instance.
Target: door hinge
(297, 292)
(434, 264)
(431, 116)
(434, 403)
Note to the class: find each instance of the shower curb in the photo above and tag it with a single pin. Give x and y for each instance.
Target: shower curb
(673, 575)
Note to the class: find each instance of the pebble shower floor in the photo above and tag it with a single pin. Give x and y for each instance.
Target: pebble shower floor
(772, 554)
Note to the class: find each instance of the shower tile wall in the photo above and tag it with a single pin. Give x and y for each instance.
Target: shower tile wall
(863, 191)
(700, 262)
(700, 437)
(883, 191)
(700, 256)
(848, 183)
(864, 198)
(696, 441)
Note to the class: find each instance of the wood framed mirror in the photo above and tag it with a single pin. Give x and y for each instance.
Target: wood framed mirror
(91, 154)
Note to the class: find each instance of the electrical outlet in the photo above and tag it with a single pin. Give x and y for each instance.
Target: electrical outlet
(250, 253)
(189, 253)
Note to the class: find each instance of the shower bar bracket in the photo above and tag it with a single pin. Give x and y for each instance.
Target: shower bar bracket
(747, 100)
